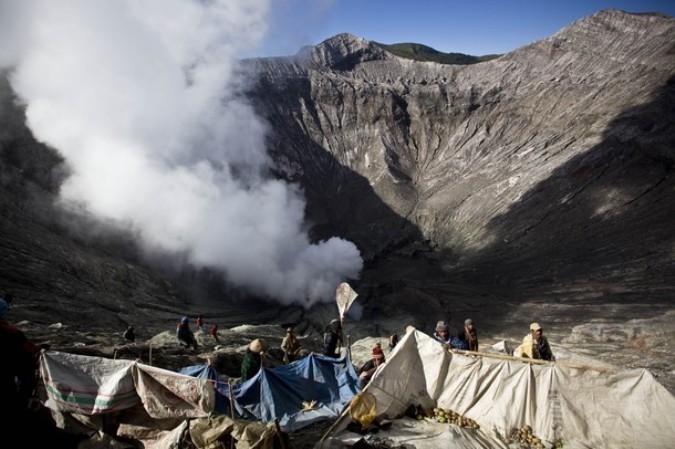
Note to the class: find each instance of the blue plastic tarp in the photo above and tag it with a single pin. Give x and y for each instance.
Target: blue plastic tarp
(279, 393)
(201, 371)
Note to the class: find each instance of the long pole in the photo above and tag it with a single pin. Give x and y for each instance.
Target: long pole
(341, 417)
(527, 360)
(229, 384)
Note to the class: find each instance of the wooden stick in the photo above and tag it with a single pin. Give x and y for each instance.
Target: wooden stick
(229, 384)
(341, 417)
(278, 429)
(526, 360)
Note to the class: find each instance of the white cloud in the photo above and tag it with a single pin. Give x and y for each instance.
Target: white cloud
(140, 97)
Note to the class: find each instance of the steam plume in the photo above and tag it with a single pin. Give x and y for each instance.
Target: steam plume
(140, 97)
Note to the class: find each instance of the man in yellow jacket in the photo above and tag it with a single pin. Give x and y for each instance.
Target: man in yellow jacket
(535, 345)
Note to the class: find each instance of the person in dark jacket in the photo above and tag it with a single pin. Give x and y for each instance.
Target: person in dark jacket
(442, 335)
(252, 361)
(393, 341)
(332, 338)
(129, 334)
(185, 336)
(17, 369)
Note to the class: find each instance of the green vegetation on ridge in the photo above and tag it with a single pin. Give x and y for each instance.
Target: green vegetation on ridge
(419, 52)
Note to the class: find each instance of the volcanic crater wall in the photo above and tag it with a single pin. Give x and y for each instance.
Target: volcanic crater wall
(548, 169)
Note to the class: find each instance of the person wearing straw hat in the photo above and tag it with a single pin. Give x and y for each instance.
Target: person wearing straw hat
(535, 345)
(366, 372)
(252, 361)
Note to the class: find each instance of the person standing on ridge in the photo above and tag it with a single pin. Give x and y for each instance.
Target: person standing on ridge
(200, 323)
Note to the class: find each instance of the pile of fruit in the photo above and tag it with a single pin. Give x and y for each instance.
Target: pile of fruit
(449, 416)
(526, 439)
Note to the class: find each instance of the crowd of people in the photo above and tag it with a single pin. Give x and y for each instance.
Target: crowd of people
(534, 345)
(18, 379)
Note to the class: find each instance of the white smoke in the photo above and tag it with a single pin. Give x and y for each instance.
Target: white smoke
(140, 97)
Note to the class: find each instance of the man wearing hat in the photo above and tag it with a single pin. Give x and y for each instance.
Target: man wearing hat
(366, 372)
(535, 345)
(442, 334)
(290, 345)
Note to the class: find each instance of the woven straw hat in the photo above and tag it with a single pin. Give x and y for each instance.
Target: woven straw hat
(258, 345)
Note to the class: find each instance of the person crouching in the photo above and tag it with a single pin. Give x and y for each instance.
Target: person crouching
(368, 369)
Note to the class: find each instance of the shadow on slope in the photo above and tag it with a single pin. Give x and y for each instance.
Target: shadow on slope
(600, 229)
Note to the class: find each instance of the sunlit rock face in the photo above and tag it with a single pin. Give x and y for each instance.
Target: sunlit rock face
(543, 177)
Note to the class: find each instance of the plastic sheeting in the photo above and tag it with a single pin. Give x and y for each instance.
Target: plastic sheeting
(311, 389)
(94, 385)
(583, 407)
(279, 393)
(87, 385)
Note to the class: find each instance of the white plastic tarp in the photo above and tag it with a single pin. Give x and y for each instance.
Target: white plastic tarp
(583, 407)
(93, 385)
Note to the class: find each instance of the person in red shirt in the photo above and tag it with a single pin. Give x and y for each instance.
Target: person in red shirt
(214, 333)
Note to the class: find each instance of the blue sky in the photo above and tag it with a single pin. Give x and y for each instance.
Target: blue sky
(475, 27)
